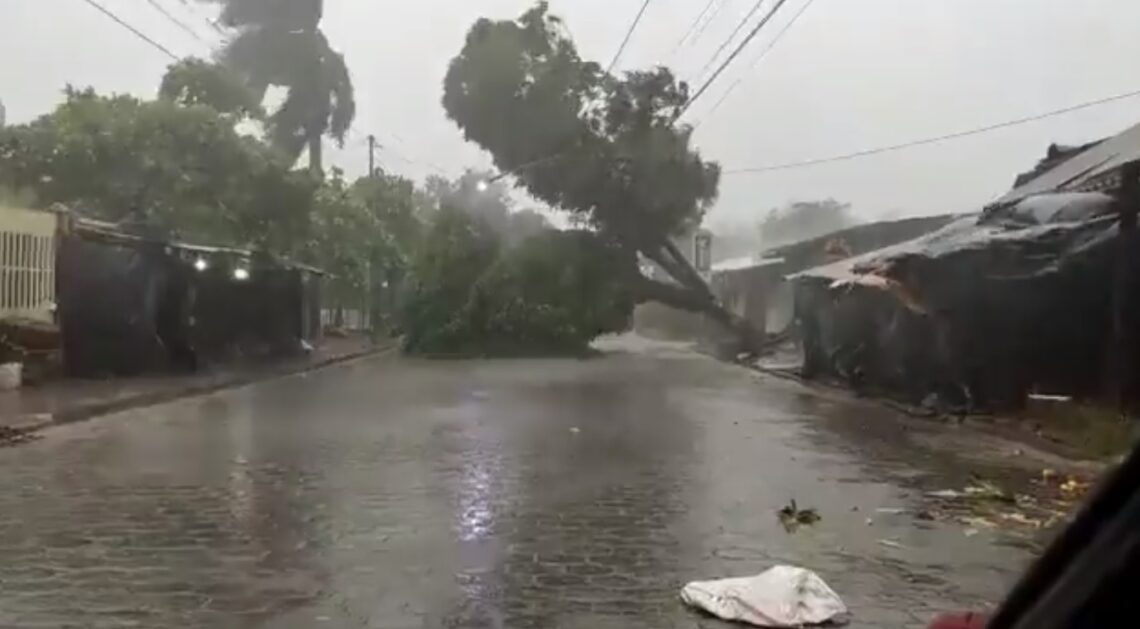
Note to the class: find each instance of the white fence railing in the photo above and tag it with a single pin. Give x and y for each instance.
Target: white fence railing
(27, 263)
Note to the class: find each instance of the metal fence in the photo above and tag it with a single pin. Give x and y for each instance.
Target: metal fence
(27, 263)
(352, 319)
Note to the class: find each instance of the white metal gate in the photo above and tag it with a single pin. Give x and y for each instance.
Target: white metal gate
(27, 263)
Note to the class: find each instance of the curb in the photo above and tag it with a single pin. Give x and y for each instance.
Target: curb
(41, 421)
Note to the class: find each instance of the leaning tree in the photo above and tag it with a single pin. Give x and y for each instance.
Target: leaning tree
(280, 42)
(608, 149)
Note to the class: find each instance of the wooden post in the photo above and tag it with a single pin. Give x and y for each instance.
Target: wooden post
(1122, 301)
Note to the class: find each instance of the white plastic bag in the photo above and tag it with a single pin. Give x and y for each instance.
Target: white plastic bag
(782, 596)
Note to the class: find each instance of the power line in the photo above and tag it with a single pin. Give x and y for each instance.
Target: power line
(756, 62)
(177, 22)
(731, 58)
(211, 23)
(692, 27)
(728, 40)
(628, 35)
(708, 22)
(936, 139)
(105, 11)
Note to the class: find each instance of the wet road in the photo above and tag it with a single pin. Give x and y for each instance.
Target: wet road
(550, 493)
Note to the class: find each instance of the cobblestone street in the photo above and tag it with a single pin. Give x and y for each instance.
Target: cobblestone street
(394, 493)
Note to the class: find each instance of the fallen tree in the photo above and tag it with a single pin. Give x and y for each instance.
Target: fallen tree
(604, 148)
(470, 293)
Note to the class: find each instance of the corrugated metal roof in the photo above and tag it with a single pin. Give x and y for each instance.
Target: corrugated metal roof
(1077, 171)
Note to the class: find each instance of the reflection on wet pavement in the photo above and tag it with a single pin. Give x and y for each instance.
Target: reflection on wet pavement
(545, 493)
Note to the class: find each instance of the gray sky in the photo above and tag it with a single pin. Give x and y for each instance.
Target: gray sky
(851, 74)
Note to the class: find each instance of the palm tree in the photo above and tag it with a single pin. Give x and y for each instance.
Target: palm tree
(279, 42)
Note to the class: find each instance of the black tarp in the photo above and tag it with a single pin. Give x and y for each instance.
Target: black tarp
(263, 315)
(129, 306)
(109, 302)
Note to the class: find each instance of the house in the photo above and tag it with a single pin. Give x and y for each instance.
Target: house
(129, 304)
(744, 286)
(1014, 299)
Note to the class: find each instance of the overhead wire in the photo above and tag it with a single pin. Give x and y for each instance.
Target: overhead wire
(732, 57)
(708, 22)
(621, 49)
(166, 51)
(728, 40)
(362, 140)
(137, 33)
(756, 61)
(177, 22)
(212, 23)
(692, 27)
(936, 139)
(628, 36)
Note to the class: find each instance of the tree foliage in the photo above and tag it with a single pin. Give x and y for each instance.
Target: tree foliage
(177, 169)
(605, 148)
(196, 82)
(489, 202)
(612, 152)
(279, 42)
(469, 293)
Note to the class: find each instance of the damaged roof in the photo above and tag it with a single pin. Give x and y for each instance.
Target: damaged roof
(1087, 170)
(1045, 216)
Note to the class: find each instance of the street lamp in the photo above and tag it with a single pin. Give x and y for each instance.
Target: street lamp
(201, 265)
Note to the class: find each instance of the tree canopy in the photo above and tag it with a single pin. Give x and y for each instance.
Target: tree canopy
(470, 293)
(605, 148)
(279, 42)
(575, 137)
(179, 169)
(196, 82)
(487, 201)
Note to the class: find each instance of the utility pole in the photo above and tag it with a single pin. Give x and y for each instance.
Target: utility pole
(371, 156)
(369, 289)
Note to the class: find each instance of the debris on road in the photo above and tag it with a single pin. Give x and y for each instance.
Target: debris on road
(792, 517)
(11, 436)
(782, 596)
(984, 505)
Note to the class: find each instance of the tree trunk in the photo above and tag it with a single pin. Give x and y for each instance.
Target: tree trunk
(691, 294)
(316, 154)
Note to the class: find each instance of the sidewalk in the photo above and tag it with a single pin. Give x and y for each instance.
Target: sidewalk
(64, 401)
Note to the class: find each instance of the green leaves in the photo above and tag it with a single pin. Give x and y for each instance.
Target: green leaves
(471, 294)
(196, 82)
(178, 169)
(600, 146)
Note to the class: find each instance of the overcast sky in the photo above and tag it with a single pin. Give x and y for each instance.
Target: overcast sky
(849, 75)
